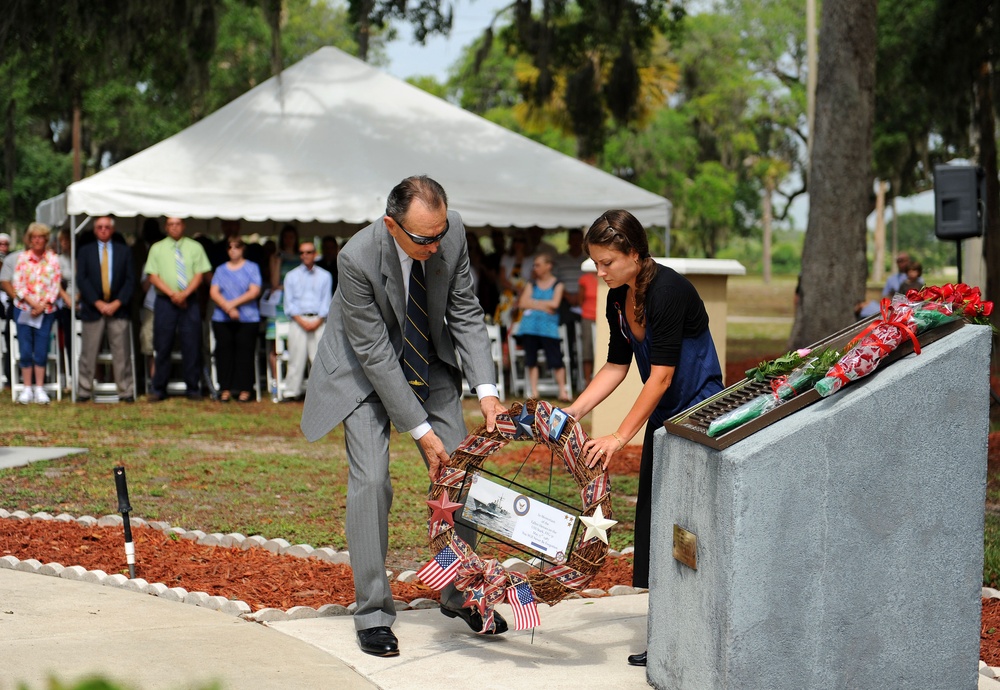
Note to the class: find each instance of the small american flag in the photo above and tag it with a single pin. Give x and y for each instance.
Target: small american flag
(440, 570)
(522, 600)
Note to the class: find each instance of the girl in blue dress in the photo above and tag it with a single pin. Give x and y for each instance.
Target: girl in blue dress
(657, 318)
(539, 325)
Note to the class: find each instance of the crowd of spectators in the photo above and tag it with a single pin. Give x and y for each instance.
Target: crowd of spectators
(223, 303)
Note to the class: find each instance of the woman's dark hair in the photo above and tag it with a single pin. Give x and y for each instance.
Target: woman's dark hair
(416, 187)
(619, 231)
(281, 238)
(236, 242)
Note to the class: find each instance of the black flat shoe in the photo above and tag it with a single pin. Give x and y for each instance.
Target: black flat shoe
(475, 620)
(637, 659)
(378, 641)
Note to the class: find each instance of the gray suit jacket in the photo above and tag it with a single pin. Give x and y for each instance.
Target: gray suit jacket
(362, 345)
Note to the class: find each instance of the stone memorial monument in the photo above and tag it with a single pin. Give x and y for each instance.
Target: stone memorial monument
(839, 547)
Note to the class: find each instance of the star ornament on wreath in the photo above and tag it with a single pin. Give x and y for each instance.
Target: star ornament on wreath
(485, 582)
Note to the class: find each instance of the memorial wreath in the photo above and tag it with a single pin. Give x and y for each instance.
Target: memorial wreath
(485, 581)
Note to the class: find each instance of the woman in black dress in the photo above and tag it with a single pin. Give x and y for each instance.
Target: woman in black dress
(656, 317)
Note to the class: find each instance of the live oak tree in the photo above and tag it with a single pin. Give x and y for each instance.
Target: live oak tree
(834, 263)
(132, 74)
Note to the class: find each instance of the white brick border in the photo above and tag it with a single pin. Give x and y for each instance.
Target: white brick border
(237, 607)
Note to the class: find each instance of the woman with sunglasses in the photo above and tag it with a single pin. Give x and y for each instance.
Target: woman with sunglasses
(657, 318)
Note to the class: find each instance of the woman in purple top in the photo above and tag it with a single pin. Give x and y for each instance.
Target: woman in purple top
(235, 288)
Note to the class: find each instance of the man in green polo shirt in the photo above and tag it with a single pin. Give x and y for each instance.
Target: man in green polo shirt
(176, 266)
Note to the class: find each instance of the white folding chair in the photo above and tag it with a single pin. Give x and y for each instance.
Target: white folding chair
(547, 385)
(496, 353)
(276, 382)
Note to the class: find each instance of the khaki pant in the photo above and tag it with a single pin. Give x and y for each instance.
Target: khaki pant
(120, 344)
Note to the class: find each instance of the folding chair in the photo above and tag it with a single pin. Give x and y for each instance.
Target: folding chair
(547, 385)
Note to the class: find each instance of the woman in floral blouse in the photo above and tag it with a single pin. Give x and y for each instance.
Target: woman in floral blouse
(37, 279)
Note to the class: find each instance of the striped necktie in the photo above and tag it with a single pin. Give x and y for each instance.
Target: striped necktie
(416, 344)
(182, 281)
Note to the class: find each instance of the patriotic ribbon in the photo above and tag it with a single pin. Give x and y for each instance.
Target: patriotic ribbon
(480, 446)
(485, 584)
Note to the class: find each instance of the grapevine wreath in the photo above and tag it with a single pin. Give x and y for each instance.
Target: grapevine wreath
(484, 580)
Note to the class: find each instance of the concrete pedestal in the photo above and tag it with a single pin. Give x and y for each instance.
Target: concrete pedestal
(841, 547)
(710, 278)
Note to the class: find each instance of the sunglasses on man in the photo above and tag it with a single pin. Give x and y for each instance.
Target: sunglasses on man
(422, 239)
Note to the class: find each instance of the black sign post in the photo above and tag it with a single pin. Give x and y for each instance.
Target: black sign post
(125, 508)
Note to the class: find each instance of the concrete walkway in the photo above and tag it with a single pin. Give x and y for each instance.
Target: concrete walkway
(54, 627)
(69, 630)
(18, 456)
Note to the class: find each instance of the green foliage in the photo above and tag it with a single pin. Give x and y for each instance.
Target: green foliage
(45, 174)
(139, 72)
(916, 236)
(484, 77)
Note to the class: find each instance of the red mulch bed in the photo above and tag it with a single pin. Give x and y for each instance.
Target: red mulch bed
(260, 578)
(989, 638)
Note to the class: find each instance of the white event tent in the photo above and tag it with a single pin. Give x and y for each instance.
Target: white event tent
(328, 139)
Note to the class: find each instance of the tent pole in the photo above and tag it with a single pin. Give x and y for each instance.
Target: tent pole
(75, 364)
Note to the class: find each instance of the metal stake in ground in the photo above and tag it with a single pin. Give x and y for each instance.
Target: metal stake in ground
(125, 508)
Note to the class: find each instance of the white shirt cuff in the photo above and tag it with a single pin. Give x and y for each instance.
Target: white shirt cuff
(487, 390)
(420, 430)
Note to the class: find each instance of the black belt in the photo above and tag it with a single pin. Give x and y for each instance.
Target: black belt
(309, 316)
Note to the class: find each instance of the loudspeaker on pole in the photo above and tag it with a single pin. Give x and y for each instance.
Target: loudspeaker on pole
(959, 194)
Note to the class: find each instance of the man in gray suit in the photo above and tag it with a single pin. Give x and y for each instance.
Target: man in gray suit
(358, 379)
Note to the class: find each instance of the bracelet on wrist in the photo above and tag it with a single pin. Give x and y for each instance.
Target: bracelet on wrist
(621, 443)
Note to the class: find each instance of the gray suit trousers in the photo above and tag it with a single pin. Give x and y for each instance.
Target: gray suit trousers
(369, 494)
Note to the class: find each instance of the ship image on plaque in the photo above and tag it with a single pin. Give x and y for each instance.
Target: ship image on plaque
(511, 514)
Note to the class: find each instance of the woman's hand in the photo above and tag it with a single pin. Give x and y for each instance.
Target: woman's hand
(600, 450)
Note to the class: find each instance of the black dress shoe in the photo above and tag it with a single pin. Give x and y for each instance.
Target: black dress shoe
(475, 620)
(127, 399)
(637, 659)
(378, 641)
(156, 397)
(83, 398)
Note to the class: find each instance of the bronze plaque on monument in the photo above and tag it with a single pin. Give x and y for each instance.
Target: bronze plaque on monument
(686, 547)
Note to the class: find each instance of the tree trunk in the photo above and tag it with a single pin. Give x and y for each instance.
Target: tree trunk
(364, 28)
(766, 222)
(834, 262)
(986, 124)
(10, 162)
(77, 167)
(878, 265)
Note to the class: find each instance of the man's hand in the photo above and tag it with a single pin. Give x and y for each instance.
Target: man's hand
(491, 407)
(437, 456)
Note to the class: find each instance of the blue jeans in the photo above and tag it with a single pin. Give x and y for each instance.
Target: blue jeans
(34, 342)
